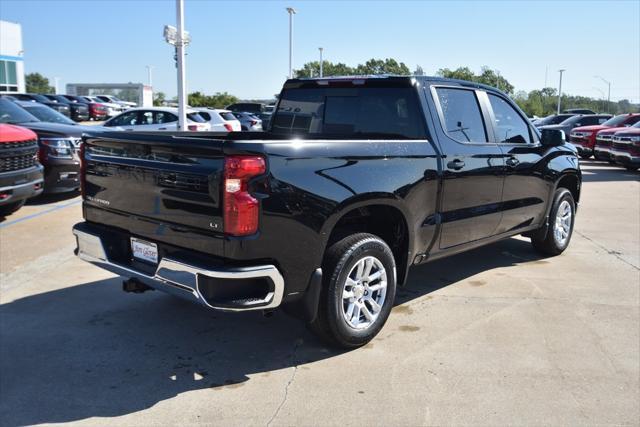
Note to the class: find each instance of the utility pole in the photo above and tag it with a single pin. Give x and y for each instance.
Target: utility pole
(291, 12)
(321, 49)
(560, 89)
(149, 75)
(608, 83)
(182, 92)
(55, 84)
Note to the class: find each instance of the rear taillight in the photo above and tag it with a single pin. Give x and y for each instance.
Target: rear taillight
(254, 122)
(241, 209)
(228, 127)
(83, 169)
(192, 127)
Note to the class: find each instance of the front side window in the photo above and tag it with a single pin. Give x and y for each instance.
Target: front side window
(126, 119)
(510, 126)
(462, 118)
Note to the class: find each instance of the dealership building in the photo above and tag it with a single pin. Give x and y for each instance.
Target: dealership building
(11, 61)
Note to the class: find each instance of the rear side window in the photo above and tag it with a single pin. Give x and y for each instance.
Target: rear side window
(195, 117)
(205, 115)
(510, 126)
(369, 112)
(164, 117)
(228, 116)
(461, 115)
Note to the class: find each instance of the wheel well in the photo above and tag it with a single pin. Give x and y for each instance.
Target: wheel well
(386, 222)
(571, 183)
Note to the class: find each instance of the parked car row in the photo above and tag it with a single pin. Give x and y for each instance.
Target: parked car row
(616, 141)
(78, 108)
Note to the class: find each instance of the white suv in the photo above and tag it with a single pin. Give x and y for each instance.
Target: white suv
(156, 118)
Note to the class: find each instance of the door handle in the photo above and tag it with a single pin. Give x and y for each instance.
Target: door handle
(455, 164)
(512, 162)
(162, 128)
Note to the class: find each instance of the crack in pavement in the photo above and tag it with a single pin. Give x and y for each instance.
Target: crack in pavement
(297, 345)
(609, 251)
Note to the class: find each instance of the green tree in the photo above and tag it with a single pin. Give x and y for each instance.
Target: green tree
(371, 67)
(418, 71)
(328, 69)
(37, 83)
(217, 100)
(159, 99)
(487, 76)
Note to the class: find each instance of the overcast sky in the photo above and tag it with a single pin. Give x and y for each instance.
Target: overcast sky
(242, 46)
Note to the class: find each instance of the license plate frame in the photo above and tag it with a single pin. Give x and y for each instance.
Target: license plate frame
(145, 251)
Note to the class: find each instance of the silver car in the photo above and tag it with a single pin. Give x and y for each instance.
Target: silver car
(249, 122)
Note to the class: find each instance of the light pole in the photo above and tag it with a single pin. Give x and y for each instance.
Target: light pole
(179, 38)
(321, 49)
(560, 89)
(149, 74)
(182, 92)
(55, 84)
(608, 83)
(291, 12)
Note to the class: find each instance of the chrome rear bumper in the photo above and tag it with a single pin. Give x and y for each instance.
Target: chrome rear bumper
(184, 280)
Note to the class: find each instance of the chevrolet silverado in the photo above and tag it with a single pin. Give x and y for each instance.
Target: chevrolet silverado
(354, 181)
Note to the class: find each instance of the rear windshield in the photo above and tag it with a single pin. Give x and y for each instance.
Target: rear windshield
(228, 116)
(195, 117)
(369, 112)
(554, 119)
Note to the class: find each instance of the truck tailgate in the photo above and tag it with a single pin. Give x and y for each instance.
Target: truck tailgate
(168, 181)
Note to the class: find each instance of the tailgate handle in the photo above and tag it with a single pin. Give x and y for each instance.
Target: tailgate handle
(178, 229)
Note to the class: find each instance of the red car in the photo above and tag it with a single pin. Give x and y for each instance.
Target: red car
(625, 147)
(20, 173)
(584, 137)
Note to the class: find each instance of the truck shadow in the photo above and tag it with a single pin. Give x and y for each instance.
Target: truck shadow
(91, 351)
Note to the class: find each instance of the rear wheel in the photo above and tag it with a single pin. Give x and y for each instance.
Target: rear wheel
(358, 291)
(584, 155)
(555, 239)
(631, 168)
(10, 208)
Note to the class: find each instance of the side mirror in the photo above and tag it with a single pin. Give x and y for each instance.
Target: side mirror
(552, 137)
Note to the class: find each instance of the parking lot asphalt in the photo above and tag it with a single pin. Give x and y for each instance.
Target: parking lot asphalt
(494, 336)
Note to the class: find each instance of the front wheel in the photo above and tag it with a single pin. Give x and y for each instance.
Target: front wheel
(358, 291)
(555, 239)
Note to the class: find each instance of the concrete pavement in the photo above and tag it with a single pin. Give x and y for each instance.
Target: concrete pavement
(495, 336)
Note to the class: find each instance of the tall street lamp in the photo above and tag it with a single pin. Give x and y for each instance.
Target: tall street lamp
(291, 12)
(560, 89)
(179, 38)
(321, 49)
(608, 83)
(149, 75)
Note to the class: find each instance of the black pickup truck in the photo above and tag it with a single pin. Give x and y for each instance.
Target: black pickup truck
(323, 214)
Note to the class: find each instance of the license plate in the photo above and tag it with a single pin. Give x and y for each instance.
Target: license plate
(145, 251)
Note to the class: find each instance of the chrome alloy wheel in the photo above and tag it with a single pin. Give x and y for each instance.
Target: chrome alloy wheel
(562, 226)
(364, 293)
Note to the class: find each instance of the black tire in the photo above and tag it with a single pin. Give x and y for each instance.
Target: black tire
(611, 162)
(9, 208)
(584, 156)
(631, 168)
(343, 256)
(545, 241)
